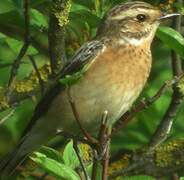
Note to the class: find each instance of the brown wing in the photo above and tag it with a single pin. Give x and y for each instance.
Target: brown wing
(85, 54)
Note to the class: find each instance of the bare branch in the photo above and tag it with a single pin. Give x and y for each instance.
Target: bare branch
(37, 72)
(10, 114)
(80, 159)
(24, 48)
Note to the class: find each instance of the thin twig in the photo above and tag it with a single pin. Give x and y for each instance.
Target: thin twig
(24, 48)
(79, 173)
(10, 114)
(80, 159)
(37, 72)
(77, 117)
(142, 105)
(106, 156)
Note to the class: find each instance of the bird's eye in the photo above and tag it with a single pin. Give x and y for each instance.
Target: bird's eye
(141, 17)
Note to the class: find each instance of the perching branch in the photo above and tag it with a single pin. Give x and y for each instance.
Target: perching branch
(124, 121)
(163, 130)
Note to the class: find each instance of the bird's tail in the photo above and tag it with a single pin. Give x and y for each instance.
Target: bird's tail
(12, 160)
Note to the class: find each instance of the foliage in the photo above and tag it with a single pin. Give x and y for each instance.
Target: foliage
(84, 19)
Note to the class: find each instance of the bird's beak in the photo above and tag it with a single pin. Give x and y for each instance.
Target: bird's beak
(166, 16)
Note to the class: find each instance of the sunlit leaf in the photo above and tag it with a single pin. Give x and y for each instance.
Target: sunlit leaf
(6, 6)
(37, 18)
(51, 153)
(52, 166)
(69, 156)
(172, 38)
(16, 46)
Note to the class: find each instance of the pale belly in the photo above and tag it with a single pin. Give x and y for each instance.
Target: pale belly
(112, 89)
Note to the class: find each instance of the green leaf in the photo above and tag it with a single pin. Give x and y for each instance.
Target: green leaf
(172, 38)
(37, 18)
(55, 168)
(6, 6)
(77, 6)
(87, 4)
(69, 80)
(2, 36)
(70, 157)
(86, 16)
(39, 2)
(139, 177)
(16, 46)
(51, 153)
(180, 7)
(19, 5)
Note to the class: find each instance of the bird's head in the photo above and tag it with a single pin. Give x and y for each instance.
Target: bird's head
(132, 21)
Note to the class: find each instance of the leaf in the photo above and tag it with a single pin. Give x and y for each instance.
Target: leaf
(77, 6)
(76, 77)
(180, 7)
(86, 16)
(51, 153)
(139, 177)
(6, 6)
(69, 80)
(19, 5)
(87, 4)
(12, 18)
(39, 2)
(52, 166)
(70, 157)
(172, 38)
(16, 46)
(37, 18)
(2, 36)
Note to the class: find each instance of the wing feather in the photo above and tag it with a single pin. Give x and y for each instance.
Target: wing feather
(84, 55)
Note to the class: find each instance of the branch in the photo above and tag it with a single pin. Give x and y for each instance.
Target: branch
(77, 117)
(23, 89)
(24, 48)
(10, 114)
(58, 20)
(162, 161)
(37, 72)
(123, 121)
(163, 130)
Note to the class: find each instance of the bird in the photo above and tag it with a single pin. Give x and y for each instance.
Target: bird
(118, 62)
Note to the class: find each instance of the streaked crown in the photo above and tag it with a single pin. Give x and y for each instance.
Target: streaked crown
(131, 21)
